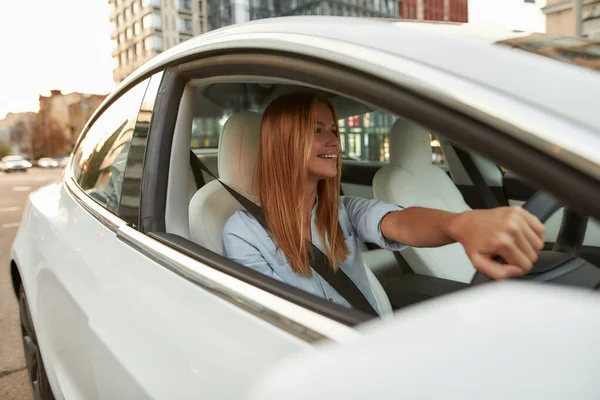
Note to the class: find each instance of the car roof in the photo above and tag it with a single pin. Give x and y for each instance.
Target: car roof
(458, 49)
(412, 53)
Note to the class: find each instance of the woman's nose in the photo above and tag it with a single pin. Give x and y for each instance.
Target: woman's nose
(332, 140)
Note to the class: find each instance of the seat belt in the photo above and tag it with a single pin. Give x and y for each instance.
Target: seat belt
(196, 165)
(319, 261)
(482, 188)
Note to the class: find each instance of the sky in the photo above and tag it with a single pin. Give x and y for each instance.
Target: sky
(65, 44)
(508, 14)
(53, 44)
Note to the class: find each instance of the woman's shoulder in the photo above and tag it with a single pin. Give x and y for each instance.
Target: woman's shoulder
(241, 222)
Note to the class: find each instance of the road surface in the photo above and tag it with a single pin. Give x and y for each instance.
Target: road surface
(14, 188)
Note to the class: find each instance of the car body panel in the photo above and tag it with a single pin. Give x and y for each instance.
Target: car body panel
(481, 352)
(113, 323)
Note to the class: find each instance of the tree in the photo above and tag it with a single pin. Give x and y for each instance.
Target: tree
(5, 149)
(50, 138)
(21, 135)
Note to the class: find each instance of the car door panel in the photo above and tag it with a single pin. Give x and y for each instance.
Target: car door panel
(117, 324)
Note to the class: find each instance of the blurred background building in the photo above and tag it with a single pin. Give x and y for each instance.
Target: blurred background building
(144, 28)
(435, 10)
(53, 130)
(573, 18)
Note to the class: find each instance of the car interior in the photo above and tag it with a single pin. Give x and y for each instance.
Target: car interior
(386, 157)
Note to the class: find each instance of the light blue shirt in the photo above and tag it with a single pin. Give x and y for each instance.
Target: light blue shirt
(246, 242)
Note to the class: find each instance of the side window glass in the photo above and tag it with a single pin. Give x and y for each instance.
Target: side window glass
(132, 181)
(100, 160)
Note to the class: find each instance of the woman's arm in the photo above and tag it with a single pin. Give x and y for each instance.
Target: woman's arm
(419, 227)
(509, 232)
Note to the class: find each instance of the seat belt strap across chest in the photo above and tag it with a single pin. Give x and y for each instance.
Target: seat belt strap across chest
(319, 262)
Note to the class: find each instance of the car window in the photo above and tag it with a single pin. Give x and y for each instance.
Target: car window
(101, 157)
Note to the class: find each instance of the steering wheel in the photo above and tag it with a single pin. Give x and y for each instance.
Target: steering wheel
(568, 243)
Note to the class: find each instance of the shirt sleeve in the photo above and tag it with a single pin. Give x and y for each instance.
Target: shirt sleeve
(242, 245)
(366, 216)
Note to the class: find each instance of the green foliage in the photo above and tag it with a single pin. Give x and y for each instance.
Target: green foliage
(5, 150)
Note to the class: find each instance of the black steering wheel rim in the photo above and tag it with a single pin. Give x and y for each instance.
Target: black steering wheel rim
(543, 206)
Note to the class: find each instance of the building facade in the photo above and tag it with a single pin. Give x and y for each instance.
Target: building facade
(222, 13)
(563, 18)
(435, 10)
(144, 28)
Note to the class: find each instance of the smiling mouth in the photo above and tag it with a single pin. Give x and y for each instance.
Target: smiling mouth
(328, 156)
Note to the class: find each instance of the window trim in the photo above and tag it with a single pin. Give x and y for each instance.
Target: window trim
(417, 106)
(70, 175)
(337, 79)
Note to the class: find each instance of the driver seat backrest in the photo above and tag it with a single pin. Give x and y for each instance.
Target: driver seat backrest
(212, 205)
(412, 180)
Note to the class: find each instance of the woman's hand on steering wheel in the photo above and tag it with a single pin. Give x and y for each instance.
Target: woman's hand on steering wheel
(511, 233)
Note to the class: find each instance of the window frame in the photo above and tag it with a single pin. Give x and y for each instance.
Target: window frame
(324, 75)
(112, 220)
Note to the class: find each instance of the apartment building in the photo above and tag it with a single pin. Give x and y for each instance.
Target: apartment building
(144, 28)
(227, 12)
(435, 10)
(573, 18)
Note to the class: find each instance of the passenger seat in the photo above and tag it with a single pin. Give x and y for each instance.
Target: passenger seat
(199, 178)
(412, 180)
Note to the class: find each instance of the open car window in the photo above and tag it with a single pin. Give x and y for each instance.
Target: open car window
(406, 277)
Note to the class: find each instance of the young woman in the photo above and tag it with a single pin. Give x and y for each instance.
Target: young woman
(298, 187)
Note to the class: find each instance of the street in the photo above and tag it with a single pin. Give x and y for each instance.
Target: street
(14, 188)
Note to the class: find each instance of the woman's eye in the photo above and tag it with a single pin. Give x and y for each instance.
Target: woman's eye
(318, 130)
(334, 132)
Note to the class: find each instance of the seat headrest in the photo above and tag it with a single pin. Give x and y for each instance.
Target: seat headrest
(410, 146)
(238, 148)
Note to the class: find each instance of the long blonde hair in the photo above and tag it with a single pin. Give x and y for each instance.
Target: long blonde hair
(286, 135)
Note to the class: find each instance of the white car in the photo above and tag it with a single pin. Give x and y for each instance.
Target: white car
(14, 163)
(47, 162)
(123, 290)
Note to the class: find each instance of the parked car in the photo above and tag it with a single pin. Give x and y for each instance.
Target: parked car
(62, 161)
(14, 163)
(47, 162)
(123, 288)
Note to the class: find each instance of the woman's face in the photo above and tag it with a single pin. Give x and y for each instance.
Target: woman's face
(326, 145)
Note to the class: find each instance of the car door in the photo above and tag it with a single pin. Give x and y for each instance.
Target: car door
(77, 253)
